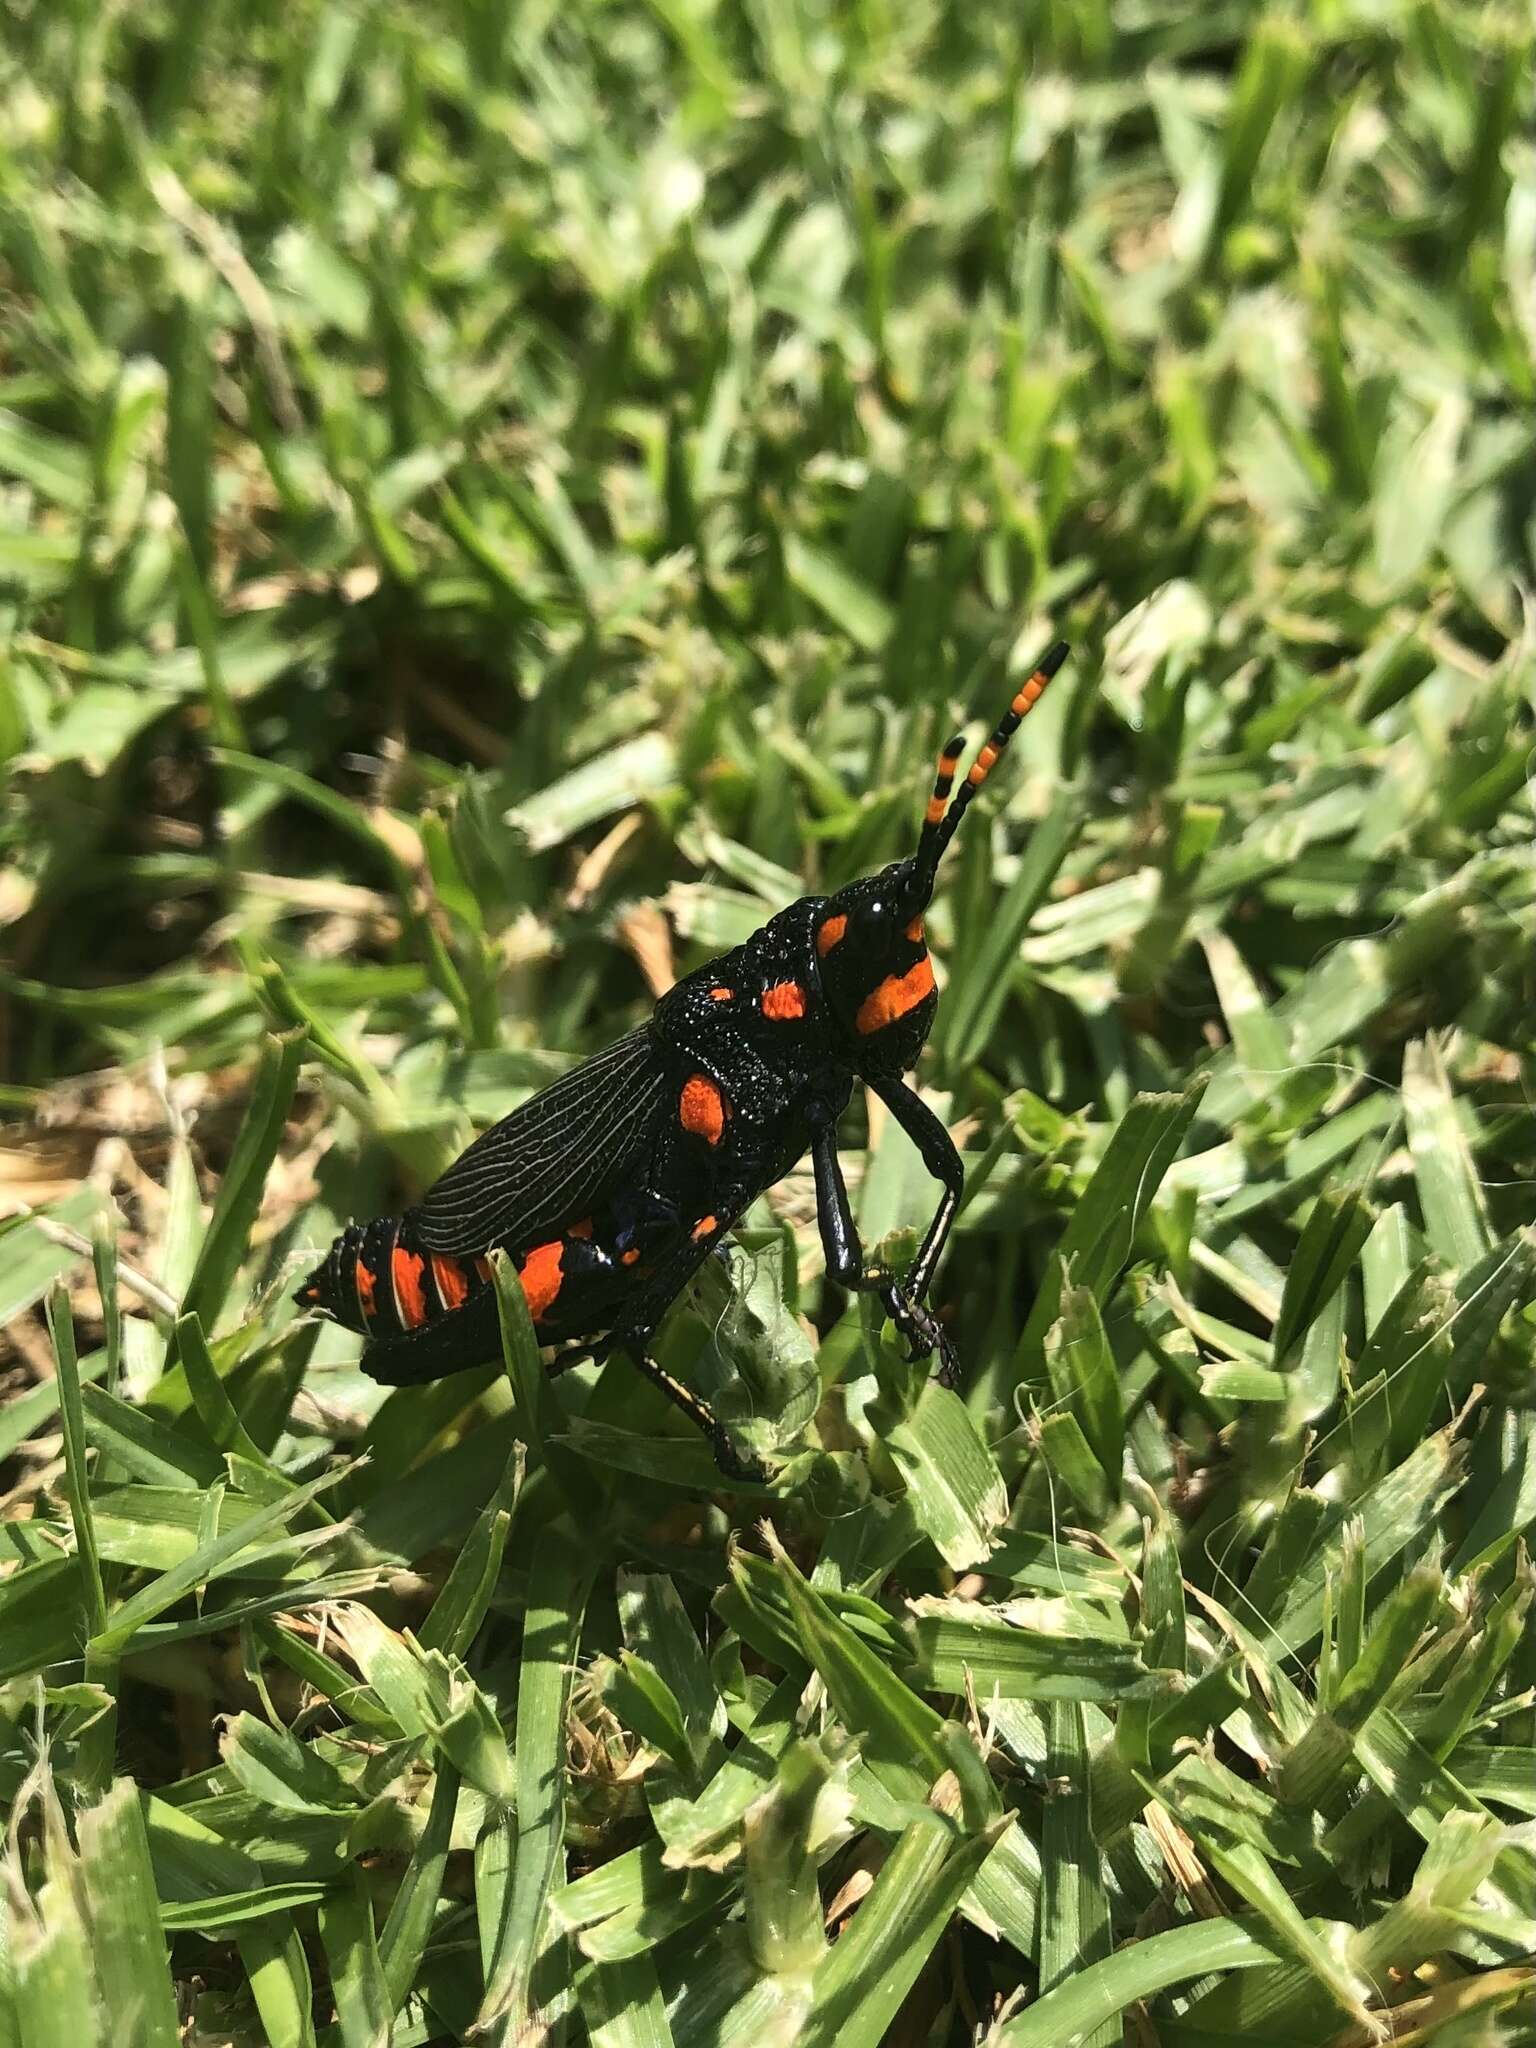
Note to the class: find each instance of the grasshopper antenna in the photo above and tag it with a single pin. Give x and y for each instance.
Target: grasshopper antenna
(942, 819)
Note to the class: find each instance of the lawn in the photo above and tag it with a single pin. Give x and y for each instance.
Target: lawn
(496, 502)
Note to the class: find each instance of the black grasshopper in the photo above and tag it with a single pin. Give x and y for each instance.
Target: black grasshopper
(610, 1187)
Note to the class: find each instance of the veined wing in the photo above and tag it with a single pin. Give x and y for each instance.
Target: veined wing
(551, 1160)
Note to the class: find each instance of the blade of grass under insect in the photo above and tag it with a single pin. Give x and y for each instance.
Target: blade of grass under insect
(454, 1618)
(538, 1412)
(559, 1575)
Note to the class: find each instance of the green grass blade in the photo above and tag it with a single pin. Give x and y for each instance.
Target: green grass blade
(55, 2005)
(559, 1576)
(622, 2006)
(277, 1970)
(358, 1988)
(1074, 1905)
(957, 1492)
(1098, 1239)
(205, 1563)
(62, 1331)
(240, 1190)
(861, 1984)
(899, 1733)
(128, 1949)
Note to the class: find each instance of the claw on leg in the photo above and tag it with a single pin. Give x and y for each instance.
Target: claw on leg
(948, 1374)
(924, 1333)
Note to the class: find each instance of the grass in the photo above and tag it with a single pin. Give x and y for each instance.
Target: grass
(492, 505)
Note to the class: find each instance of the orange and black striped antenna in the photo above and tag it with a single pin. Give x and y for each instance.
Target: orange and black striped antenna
(942, 818)
(930, 845)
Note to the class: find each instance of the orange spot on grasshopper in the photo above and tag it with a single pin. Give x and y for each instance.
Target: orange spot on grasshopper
(895, 996)
(542, 1276)
(782, 1003)
(722, 995)
(701, 1109)
(830, 934)
(365, 1286)
(705, 1227)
